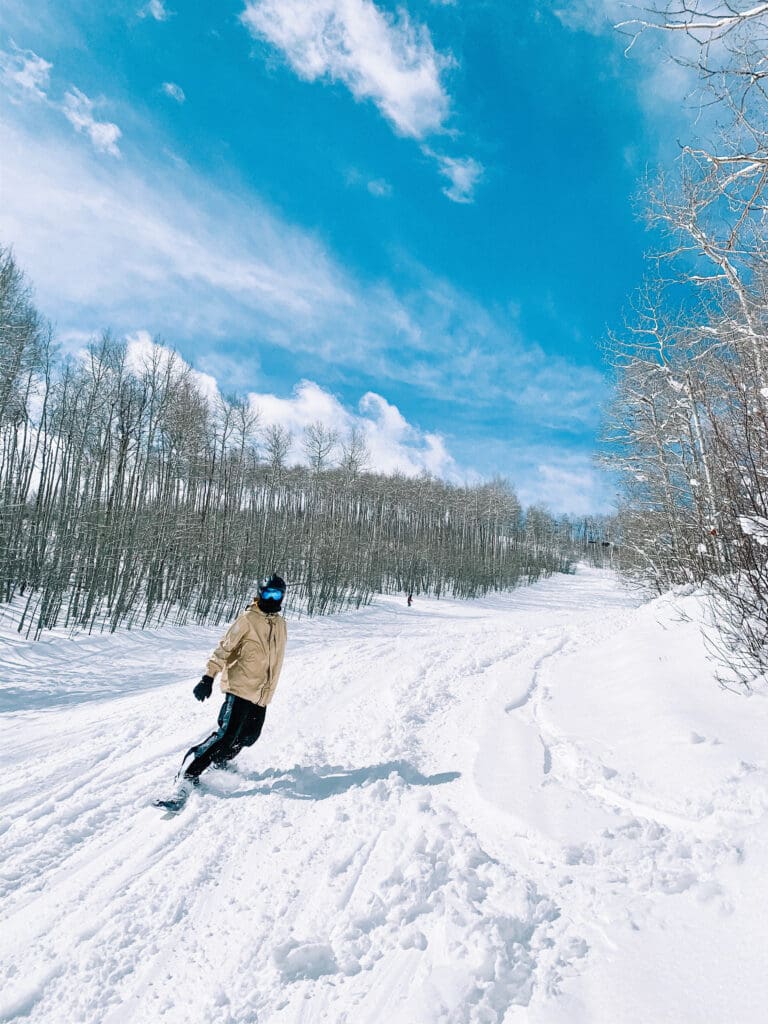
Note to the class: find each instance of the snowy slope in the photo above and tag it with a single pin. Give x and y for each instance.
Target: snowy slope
(537, 807)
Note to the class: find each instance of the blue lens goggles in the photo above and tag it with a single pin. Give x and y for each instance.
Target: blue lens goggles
(272, 594)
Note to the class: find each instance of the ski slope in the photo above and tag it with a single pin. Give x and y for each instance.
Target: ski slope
(533, 808)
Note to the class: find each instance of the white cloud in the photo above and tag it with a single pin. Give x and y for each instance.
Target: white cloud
(595, 16)
(395, 445)
(560, 395)
(563, 480)
(142, 350)
(24, 70)
(156, 9)
(669, 84)
(28, 75)
(308, 404)
(378, 56)
(463, 174)
(103, 242)
(380, 188)
(174, 91)
(78, 110)
(219, 274)
(572, 484)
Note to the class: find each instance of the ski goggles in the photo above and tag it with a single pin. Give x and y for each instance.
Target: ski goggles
(272, 594)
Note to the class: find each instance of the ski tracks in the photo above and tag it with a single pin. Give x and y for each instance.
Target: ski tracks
(415, 921)
(636, 850)
(421, 835)
(356, 890)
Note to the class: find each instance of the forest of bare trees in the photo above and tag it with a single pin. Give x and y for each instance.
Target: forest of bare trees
(688, 428)
(128, 497)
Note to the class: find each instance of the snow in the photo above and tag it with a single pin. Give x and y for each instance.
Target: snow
(755, 526)
(538, 807)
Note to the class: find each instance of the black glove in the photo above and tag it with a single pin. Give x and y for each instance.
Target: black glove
(204, 688)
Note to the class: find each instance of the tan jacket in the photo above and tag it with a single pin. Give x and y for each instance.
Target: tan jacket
(250, 655)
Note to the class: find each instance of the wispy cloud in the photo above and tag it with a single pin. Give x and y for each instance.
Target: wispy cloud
(596, 16)
(378, 56)
(156, 9)
(27, 76)
(669, 85)
(24, 70)
(174, 91)
(239, 262)
(381, 57)
(380, 188)
(78, 110)
(565, 482)
(109, 246)
(463, 174)
(553, 474)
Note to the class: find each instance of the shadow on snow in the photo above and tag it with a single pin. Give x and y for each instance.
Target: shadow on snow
(319, 783)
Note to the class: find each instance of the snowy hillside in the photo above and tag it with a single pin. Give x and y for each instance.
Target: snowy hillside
(537, 807)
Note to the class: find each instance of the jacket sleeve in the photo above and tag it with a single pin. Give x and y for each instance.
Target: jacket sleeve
(280, 652)
(228, 646)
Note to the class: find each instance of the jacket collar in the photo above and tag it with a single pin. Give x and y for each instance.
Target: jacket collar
(265, 615)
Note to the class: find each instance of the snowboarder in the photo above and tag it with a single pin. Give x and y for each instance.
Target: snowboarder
(249, 657)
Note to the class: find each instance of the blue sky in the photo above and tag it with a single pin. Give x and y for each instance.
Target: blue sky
(416, 217)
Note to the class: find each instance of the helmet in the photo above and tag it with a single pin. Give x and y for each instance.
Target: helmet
(273, 582)
(271, 593)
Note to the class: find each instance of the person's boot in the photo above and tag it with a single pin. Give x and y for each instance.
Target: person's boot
(176, 800)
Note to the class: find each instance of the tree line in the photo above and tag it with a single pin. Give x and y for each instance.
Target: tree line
(687, 431)
(130, 498)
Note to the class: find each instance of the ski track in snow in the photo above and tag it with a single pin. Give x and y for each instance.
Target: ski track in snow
(459, 812)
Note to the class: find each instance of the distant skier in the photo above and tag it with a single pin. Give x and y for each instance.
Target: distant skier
(249, 657)
(410, 600)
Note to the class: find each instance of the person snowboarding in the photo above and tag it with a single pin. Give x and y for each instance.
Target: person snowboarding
(249, 658)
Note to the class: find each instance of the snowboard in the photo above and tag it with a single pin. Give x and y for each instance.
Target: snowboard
(173, 803)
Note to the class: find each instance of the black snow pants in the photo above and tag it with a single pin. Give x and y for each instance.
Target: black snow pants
(240, 723)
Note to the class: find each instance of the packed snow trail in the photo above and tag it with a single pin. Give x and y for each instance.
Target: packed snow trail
(537, 807)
